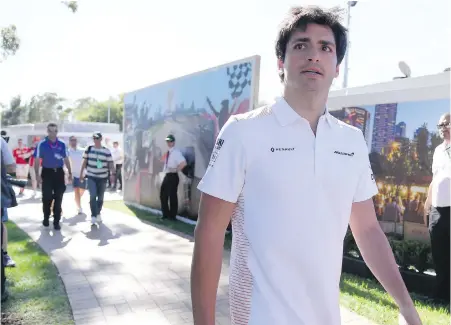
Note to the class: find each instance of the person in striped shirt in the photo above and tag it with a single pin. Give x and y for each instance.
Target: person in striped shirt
(97, 160)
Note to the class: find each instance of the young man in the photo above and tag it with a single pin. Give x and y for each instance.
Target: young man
(292, 177)
(97, 161)
(174, 162)
(21, 155)
(76, 158)
(118, 159)
(53, 153)
(437, 205)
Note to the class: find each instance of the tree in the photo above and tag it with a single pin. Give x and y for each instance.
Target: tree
(11, 41)
(44, 108)
(15, 114)
(98, 111)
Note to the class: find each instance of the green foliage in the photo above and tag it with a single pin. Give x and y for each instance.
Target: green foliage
(10, 41)
(15, 114)
(93, 111)
(72, 5)
(408, 253)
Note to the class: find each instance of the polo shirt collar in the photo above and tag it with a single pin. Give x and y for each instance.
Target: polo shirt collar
(286, 115)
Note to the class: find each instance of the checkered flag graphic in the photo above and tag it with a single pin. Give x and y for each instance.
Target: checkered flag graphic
(240, 76)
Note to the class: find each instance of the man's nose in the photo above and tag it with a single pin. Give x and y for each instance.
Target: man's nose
(313, 55)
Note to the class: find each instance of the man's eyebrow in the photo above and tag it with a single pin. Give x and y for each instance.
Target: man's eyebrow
(308, 40)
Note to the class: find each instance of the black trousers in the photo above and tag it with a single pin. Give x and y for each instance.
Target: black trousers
(118, 175)
(169, 192)
(440, 246)
(53, 188)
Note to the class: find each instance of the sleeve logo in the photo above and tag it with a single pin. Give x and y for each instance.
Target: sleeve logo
(215, 153)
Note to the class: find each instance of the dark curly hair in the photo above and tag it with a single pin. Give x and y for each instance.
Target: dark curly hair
(298, 18)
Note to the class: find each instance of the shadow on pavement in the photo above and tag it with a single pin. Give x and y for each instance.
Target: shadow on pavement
(104, 234)
(73, 221)
(58, 240)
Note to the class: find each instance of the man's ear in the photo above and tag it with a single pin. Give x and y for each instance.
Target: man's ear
(337, 71)
(280, 64)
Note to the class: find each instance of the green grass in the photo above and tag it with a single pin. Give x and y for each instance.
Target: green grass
(36, 293)
(367, 298)
(363, 296)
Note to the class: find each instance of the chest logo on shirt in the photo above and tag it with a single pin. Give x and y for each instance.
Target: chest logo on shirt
(350, 154)
(281, 149)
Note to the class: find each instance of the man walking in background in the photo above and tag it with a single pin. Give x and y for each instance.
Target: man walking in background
(174, 162)
(76, 158)
(118, 159)
(21, 155)
(97, 161)
(438, 206)
(53, 153)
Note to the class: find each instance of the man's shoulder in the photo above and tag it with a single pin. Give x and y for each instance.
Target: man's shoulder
(440, 147)
(253, 115)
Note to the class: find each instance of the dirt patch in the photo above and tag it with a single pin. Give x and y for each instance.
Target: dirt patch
(10, 319)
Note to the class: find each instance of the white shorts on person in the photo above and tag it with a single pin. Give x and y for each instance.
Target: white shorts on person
(294, 193)
(22, 170)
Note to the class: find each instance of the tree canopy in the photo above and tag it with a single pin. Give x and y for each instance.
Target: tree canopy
(10, 42)
(51, 107)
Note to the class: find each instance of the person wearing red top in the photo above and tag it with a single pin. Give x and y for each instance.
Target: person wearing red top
(21, 154)
(34, 182)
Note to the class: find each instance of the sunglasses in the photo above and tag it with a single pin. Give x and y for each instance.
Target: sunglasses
(443, 125)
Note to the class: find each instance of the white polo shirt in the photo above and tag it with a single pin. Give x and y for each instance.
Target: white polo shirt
(441, 169)
(174, 160)
(294, 193)
(76, 159)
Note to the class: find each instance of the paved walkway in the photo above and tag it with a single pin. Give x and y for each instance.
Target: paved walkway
(125, 271)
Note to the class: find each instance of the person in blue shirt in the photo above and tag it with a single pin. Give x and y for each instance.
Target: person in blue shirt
(53, 153)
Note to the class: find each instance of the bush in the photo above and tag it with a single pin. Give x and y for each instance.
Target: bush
(408, 253)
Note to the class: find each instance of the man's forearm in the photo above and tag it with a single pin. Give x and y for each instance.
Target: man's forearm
(68, 166)
(205, 272)
(378, 255)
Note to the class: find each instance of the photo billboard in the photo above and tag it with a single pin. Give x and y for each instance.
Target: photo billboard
(193, 108)
(401, 139)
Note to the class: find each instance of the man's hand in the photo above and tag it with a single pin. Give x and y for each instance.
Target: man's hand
(409, 316)
(427, 209)
(112, 177)
(69, 178)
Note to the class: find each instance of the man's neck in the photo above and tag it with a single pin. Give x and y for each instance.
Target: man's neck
(53, 139)
(98, 146)
(308, 104)
(446, 142)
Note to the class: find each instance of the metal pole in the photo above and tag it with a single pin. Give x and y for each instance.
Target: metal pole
(345, 70)
(109, 113)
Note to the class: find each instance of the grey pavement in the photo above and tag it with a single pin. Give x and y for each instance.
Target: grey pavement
(125, 270)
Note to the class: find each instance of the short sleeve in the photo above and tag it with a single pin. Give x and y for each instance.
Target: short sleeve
(8, 158)
(38, 152)
(180, 158)
(85, 154)
(366, 186)
(109, 157)
(66, 153)
(225, 173)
